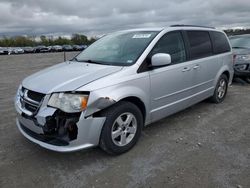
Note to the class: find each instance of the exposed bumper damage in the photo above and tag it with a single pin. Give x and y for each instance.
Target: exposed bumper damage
(59, 131)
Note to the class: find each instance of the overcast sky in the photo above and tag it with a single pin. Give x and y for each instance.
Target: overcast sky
(35, 17)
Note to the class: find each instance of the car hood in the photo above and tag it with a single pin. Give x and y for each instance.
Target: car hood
(67, 76)
(238, 51)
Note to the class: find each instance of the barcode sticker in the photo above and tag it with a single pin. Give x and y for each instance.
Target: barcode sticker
(141, 36)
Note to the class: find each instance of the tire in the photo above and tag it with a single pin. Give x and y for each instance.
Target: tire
(125, 134)
(247, 79)
(220, 91)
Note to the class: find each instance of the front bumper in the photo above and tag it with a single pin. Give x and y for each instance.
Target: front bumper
(34, 129)
(242, 72)
(238, 73)
(88, 135)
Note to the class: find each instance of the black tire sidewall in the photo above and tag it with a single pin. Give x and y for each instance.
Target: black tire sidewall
(111, 115)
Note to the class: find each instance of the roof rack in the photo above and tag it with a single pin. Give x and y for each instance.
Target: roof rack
(183, 25)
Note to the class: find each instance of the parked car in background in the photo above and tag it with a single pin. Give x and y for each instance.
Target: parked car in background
(241, 51)
(83, 47)
(45, 49)
(77, 47)
(120, 83)
(29, 49)
(16, 50)
(37, 48)
(56, 48)
(41, 48)
(50, 48)
(67, 48)
(4, 51)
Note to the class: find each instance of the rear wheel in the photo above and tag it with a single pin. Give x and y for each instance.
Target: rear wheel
(122, 128)
(220, 90)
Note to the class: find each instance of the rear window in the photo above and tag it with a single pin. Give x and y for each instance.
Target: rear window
(200, 44)
(220, 42)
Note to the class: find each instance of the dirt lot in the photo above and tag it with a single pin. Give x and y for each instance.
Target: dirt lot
(206, 145)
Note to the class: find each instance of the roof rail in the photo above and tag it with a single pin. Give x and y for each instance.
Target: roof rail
(183, 25)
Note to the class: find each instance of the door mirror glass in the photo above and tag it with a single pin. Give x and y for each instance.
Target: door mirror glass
(160, 59)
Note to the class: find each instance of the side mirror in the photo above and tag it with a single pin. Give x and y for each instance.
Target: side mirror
(160, 59)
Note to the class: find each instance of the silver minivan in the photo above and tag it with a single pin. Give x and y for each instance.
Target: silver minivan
(122, 82)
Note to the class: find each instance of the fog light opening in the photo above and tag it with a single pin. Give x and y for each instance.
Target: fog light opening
(72, 131)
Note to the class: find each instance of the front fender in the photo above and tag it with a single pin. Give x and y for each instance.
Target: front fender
(105, 97)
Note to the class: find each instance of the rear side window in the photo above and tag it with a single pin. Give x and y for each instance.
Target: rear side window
(172, 44)
(200, 44)
(220, 43)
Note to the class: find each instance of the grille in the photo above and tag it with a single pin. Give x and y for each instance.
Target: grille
(30, 107)
(31, 100)
(35, 96)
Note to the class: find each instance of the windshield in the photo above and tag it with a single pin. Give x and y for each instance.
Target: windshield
(122, 48)
(240, 42)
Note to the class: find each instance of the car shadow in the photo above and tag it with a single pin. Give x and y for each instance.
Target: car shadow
(240, 81)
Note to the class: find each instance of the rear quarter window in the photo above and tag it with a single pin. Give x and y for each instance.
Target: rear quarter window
(220, 42)
(199, 44)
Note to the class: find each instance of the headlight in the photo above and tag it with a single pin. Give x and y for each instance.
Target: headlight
(243, 57)
(241, 67)
(68, 102)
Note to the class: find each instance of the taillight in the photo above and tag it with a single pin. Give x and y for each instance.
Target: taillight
(234, 59)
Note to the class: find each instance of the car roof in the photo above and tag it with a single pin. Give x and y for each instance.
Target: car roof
(174, 27)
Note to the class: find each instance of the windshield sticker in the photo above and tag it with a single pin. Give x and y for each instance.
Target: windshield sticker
(141, 36)
(130, 61)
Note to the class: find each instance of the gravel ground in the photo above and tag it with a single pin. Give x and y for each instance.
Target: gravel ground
(206, 145)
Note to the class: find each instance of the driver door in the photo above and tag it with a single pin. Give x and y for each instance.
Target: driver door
(171, 85)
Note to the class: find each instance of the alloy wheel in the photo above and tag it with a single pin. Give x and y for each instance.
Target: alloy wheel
(124, 129)
(222, 89)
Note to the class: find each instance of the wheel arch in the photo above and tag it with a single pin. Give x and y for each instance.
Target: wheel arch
(133, 99)
(226, 72)
(138, 102)
(223, 70)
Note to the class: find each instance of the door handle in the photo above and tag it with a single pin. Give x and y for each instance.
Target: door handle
(185, 69)
(196, 66)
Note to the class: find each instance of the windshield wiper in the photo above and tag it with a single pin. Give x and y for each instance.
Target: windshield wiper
(88, 61)
(239, 47)
(74, 59)
(92, 61)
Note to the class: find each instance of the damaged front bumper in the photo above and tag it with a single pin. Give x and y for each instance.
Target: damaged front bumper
(59, 131)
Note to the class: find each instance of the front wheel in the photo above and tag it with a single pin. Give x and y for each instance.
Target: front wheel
(220, 90)
(122, 128)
